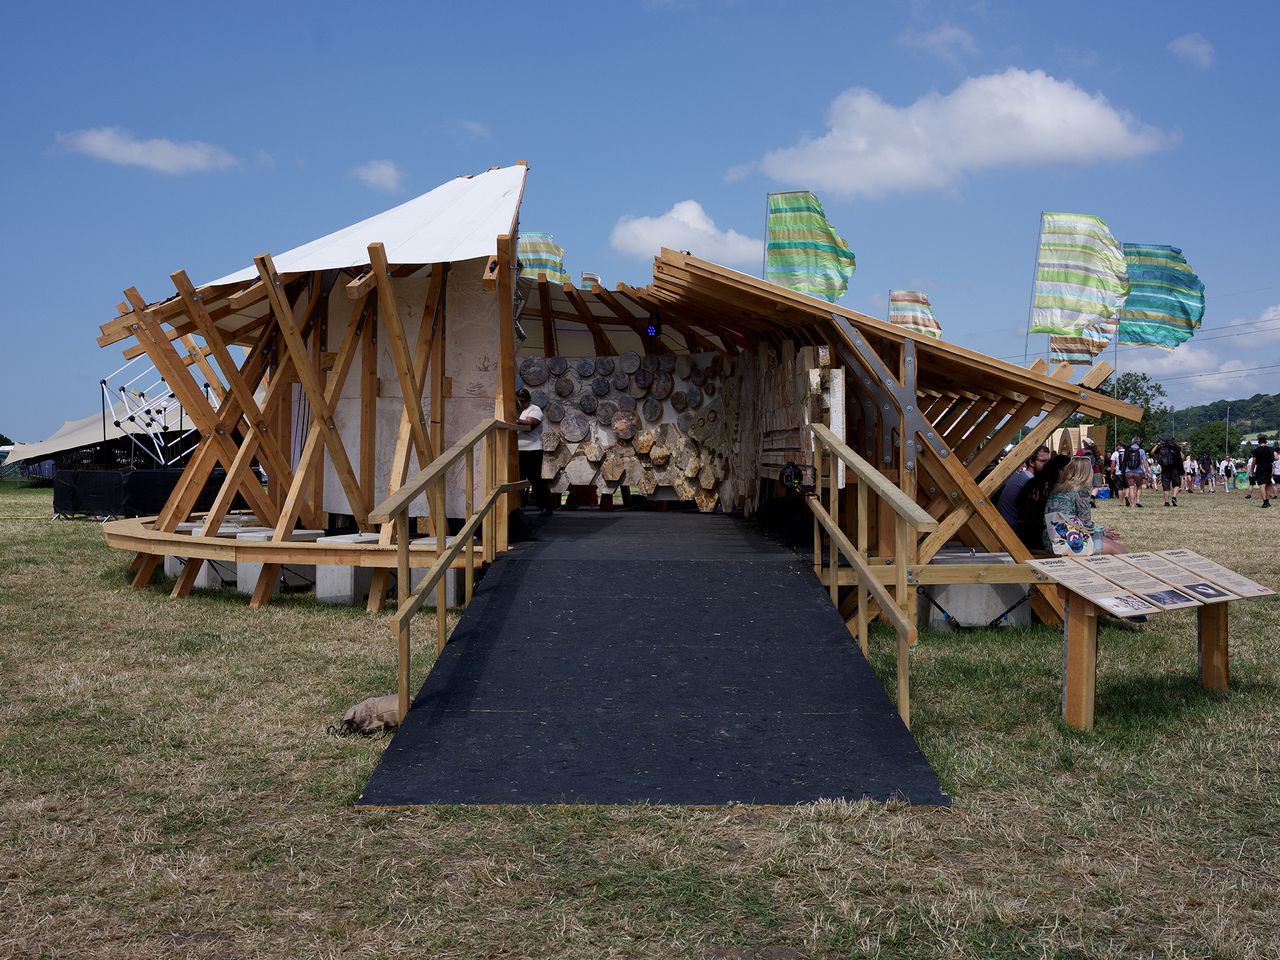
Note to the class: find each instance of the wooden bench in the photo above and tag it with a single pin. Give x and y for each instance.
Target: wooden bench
(1139, 585)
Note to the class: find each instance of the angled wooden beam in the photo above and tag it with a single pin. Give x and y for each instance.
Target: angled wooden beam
(322, 412)
(277, 463)
(368, 409)
(428, 329)
(197, 355)
(363, 284)
(311, 460)
(599, 339)
(410, 385)
(629, 319)
(549, 345)
(192, 398)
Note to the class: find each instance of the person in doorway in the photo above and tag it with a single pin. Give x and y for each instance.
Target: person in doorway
(1264, 461)
(529, 445)
(1070, 495)
(1136, 468)
(1169, 459)
(1007, 502)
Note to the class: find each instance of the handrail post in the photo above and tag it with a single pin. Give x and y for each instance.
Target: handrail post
(490, 481)
(402, 594)
(861, 544)
(470, 574)
(834, 510)
(817, 492)
(442, 534)
(902, 534)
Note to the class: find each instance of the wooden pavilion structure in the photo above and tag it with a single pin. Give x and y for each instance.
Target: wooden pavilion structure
(389, 364)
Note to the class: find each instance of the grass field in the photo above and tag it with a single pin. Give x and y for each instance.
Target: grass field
(167, 789)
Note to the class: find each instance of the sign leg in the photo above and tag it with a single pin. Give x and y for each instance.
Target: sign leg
(1211, 646)
(1079, 663)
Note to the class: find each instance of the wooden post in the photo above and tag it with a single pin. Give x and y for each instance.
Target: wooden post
(470, 574)
(1079, 662)
(863, 595)
(442, 534)
(906, 640)
(818, 453)
(505, 404)
(1211, 647)
(834, 559)
(402, 595)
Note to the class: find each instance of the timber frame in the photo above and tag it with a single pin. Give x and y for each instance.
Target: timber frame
(924, 424)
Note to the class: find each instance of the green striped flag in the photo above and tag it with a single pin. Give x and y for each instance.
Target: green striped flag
(911, 310)
(805, 253)
(1166, 304)
(1081, 277)
(538, 254)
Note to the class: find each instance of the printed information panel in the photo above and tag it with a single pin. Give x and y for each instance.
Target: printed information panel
(1217, 573)
(1078, 578)
(1137, 581)
(1188, 581)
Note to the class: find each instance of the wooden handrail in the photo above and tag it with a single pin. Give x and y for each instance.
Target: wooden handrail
(400, 500)
(444, 560)
(888, 606)
(903, 506)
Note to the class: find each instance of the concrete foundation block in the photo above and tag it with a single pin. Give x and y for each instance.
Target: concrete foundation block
(343, 584)
(972, 604)
(291, 575)
(454, 584)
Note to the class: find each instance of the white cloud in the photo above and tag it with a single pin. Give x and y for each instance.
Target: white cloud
(116, 145)
(946, 42)
(1194, 48)
(685, 226)
(1011, 119)
(379, 174)
(475, 128)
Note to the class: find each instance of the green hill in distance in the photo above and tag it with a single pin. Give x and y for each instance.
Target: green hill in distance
(1259, 413)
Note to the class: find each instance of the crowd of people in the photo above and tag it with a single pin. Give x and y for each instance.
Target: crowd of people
(1176, 469)
(1048, 483)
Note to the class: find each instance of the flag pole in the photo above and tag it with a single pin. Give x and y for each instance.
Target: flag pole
(764, 257)
(1026, 341)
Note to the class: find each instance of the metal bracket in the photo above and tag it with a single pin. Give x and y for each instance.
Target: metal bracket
(903, 394)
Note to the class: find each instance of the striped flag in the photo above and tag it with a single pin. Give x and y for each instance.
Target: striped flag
(1083, 349)
(910, 310)
(1166, 303)
(805, 253)
(1081, 277)
(539, 253)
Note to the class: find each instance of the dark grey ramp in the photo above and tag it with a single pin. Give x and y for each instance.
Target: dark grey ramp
(648, 657)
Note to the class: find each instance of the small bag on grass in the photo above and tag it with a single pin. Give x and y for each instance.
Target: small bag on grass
(374, 714)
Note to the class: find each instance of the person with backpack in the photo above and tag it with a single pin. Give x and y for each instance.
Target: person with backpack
(1264, 458)
(1169, 458)
(1136, 468)
(1208, 474)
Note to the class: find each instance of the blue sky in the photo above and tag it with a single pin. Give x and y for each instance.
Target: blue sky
(147, 137)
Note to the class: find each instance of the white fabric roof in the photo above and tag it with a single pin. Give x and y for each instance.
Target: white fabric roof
(459, 220)
(77, 433)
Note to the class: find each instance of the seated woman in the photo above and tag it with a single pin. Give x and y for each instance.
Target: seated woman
(1070, 495)
(1031, 500)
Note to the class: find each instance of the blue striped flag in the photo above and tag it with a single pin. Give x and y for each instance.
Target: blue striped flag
(1166, 302)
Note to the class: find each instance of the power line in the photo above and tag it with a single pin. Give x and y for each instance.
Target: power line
(1230, 374)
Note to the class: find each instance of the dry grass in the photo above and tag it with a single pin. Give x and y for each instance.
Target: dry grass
(168, 790)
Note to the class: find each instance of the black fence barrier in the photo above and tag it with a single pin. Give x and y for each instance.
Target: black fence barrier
(125, 493)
